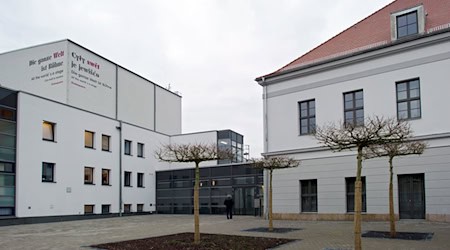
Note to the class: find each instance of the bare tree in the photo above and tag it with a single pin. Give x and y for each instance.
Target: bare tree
(271, 164)
(344, 136)
(392, 150)
(196, 153)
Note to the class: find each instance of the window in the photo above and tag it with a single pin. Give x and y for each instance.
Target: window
(105, 176)
(88, 209)
(88, 175)
(127, 179)
(140, 179)
(140, 208)
(127, 147)
(48, 131)
(309, 195)
(88, 139)
(354, 108)
(106, 208)
(48, 172)
(307, 116)
(140, 149)
(105, 142)
(407, 24)
(127, 208)
(350, 191)
(408, 99)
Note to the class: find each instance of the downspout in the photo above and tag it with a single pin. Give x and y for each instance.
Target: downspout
(120, 168)
(266, 147)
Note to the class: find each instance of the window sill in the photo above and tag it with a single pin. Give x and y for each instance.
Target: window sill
(141, 187)
(87, 183)
(128, 186)
(108, 151)
(308, 212)
(49, 140)
(48, 181)
(89, 147)
(141, 157)
(128, 154)
(107, 185)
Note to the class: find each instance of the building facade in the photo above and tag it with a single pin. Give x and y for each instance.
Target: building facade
(393, 63)
(78, 134)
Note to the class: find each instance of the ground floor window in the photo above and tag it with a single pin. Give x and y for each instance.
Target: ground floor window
(308, 195)
(350, 193)
(106, 208)
(140, 208)
(127, 208)
(88, 209)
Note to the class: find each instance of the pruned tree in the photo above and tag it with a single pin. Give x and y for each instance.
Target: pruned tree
(375, 131)
(270, 164)
(197, 153)
(392, 150)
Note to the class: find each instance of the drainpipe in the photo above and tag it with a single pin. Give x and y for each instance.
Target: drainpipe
(120, 167)
(266, 147)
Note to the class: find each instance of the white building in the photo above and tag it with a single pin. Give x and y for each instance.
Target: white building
(78, 133)
(394, 63)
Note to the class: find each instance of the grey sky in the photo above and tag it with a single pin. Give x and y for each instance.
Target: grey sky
(209, 50)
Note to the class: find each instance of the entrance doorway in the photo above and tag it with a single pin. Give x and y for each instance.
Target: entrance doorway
(411, 195)
(244, 200)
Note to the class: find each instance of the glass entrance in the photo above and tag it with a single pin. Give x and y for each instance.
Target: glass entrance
(411, 193)
(244, 200)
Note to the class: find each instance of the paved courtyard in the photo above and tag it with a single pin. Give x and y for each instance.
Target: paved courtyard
(314, 235)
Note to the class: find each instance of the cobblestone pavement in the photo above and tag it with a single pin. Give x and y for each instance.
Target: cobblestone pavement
(314, 235)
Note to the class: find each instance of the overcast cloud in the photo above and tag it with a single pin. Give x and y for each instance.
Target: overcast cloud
(209, 50)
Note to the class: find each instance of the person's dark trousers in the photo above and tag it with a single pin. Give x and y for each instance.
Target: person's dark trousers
(229, 213)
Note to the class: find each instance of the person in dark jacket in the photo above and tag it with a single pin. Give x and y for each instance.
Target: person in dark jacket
(229, 206)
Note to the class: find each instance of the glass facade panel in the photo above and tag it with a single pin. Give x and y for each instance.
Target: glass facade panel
(7, 127)
(243, 180)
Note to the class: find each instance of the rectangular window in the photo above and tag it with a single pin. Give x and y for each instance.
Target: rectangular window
(106, 208)
(140, 208)
(48, 131)
(354, 108)
(140, 149)
(88, 139)
(309, 195)
(88, 209)
(127, 179)
(350, 191)
(88, 175)
(105, 142)
(105, 176)
(127, 147)
(307, 116)
(48, 172)
(140, 179)
(407, 24)
(127, 208)
(408, 99)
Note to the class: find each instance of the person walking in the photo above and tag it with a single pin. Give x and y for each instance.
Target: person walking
(229, 206)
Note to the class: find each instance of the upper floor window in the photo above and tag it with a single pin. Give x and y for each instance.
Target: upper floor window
(105, 176)
(48, 131)
(140, 179)
(354, 108)
(88, 175)
(105, 142)
(140, 149)
(127, 147)
(48, 172)
(407, 24)
(88, 139)
(127, 179)
(408, 99)
(307, 116)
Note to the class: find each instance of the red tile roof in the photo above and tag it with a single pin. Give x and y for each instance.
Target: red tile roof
(372, 31)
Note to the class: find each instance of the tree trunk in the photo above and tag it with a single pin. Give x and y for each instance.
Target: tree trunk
(391, 200)
(358, 202)
(270, 201)
(196, 209)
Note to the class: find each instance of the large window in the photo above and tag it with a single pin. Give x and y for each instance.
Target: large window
(140, 179)
(88, 175)
(350, 192)
(105, 142)
(127, 179)
(48, 131)
(408, 99)
(105, 177)
(307, 110)
(309, 195)
(354, 108)
(407, 24)
(127, 147)
(89, 139)
(48, 172)
(140, 149)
